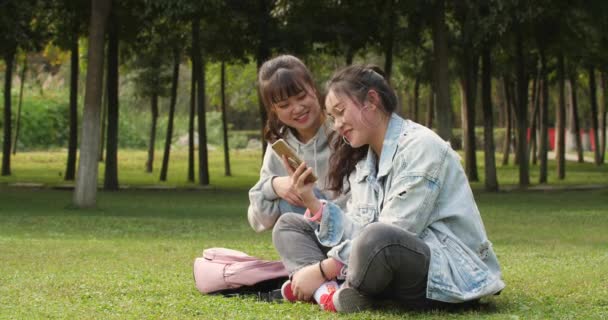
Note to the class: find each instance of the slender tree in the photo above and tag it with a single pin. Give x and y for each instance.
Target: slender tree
(594, 114)
(191, 123)
(224, 122)
(574, 126)
(389, 38)
(534, 105)
(491, 180)
(70, 171)
(508, 111)
(85, 193)
(560, 126)
(543, 147)
(169, 136)
(199, 64)
(70, 18)
(152, 139)
(468, 19)
(603, 117)
(521, 110)
(9, 58)
(263, 53)
(416, 103)
(111, 161)
(430, 111)
(442, 81)
(20, 104)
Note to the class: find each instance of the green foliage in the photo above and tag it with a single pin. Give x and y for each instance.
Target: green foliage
(44, 123)
(241, 93)
(236, 139)
(134, 130)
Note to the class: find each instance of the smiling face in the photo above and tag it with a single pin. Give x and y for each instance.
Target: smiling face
(346, 116)
(301, 111)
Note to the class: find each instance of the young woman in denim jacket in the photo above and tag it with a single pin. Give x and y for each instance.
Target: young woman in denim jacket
(411, 231)
(294, 114)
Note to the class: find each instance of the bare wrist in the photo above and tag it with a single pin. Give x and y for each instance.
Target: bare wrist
(331, 268)
(314, 205)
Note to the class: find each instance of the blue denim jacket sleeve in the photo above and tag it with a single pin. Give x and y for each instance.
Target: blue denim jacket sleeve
(335, 230)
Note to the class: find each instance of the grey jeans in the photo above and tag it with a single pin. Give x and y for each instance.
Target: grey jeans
(385, 261)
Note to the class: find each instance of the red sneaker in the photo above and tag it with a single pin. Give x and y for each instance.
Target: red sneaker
(327, 301)
(287, 293)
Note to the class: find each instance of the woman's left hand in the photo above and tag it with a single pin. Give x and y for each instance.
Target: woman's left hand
(303, 188)
(306, 281)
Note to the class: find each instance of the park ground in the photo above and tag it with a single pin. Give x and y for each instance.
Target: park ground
(132, 256)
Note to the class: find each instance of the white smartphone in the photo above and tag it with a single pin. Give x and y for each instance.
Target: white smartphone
(283, 149)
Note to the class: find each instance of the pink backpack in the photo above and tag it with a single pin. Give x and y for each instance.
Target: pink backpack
(228, 271)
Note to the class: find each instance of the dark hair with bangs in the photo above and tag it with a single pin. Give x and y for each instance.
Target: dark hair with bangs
(355, 82)
(278, 79)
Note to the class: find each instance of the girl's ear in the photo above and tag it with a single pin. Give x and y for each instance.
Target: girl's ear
(374, 98)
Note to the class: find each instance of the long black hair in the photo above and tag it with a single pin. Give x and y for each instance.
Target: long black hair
(355, 82)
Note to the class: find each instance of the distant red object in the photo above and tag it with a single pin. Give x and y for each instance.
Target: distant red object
(551, 134)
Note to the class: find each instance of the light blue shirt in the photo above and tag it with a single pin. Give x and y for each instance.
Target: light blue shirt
(420, 186)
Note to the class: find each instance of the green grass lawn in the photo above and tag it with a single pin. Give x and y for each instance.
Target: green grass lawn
(48, 167)
(132, 256)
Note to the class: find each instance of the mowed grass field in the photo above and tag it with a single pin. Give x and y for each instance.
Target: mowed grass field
(131, 257)
(48, 168)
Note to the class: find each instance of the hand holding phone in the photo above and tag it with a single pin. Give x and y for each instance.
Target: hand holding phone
(283, 149)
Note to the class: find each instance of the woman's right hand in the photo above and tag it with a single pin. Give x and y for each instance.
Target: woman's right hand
(284, 187)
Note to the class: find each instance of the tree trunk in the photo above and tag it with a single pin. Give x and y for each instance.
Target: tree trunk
(602, 124)
(560, 121)
(594, 117)
(431, 107)
(169, 137)
(203, 166)
(389, 41)
(521, 112)
(262, 54)
(349, 57)
(543, 147)
(9, 59)
(85, 193)
(575, 129)
(225, 122)
(533, 119)
(191, 123)
(151, 145)
(508, 116)
(533, 148)
(442, 81)
(70, 171)
(514, 137)
(469, 89)
(416, 104)
(111, 168)
(20, 104)
(104, 119)
(491, 183)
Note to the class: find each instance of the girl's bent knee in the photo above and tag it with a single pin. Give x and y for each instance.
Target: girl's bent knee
(287, 222)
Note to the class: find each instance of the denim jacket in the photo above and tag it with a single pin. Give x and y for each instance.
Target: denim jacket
(420, 186)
